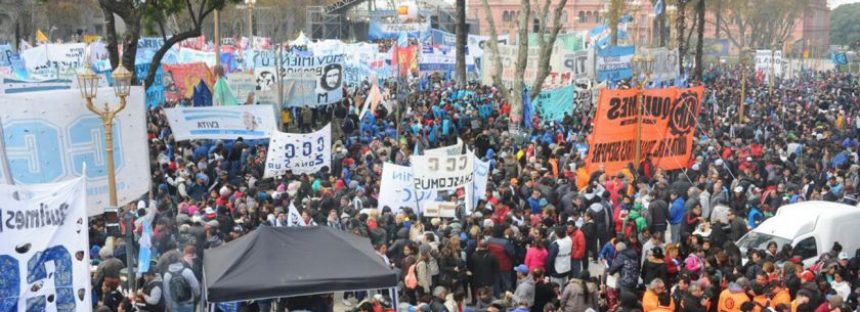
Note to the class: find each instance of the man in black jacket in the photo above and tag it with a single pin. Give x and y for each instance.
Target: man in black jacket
(659, 211)
(483, 267)
(694, 300)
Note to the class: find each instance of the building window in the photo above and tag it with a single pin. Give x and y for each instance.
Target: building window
(581, 17)
(564, 16)
(506, 16)
(588, 17)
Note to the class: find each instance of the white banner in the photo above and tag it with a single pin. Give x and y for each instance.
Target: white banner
(299, 153)
(580, 63)
(397, 190)
(242, 85)
(442, 172)
(557, 77)
(51, 134)
(324, 67)
(767, 60)
(44, 253)
(478, 189)
(452, 150)
(665, 64)
(54, 61)
(249, 122)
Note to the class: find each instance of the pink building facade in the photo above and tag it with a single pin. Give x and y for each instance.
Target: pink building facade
(581, 15)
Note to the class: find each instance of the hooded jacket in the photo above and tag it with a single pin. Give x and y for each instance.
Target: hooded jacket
(626, 263)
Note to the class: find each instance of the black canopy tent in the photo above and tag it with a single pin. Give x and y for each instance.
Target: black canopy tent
(276, 262)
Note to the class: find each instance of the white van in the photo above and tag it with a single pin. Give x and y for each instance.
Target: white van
(810, 227)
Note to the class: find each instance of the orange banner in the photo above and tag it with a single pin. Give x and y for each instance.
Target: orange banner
(406, 59)
(180, 80)
(668, 126)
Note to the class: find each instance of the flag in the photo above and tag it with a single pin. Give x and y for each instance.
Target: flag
(659, 7)
(839, 58)
(40, 36)
(294, 218)
(527, 109)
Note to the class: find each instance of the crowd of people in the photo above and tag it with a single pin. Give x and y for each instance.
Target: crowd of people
(550, 236)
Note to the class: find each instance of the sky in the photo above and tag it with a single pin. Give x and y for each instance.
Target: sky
(836, 3)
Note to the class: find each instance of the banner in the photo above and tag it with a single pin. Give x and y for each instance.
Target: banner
(242, 85)
(452, 150)
(554, 104)
(179, 80)
(11, 86)
(716, 47)
(767, 61)
(300, 153)
(613, 63)
(146, 48)
(44, 253)
(405, 59)
(665, 67)
(324, 68)
(359, 61)
(558, 75)
(379, 29)
(397, 189)
(478, 191)
(51, 135)
(580, 63)
(668, 126)
(249, 122)
(567, 41)
(267, 86)
(6, 54)
(439, 37)
(54, 61)
(442, 172)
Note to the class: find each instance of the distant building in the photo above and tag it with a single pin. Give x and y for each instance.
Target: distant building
(813, 29)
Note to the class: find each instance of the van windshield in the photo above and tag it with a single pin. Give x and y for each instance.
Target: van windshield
(759, 241)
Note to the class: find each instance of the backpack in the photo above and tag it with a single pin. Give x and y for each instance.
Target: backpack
(180, 290)
(411, 279)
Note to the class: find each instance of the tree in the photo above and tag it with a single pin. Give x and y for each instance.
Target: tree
(844, 29)
(546, 40)
(462, 32)
(154, 14)
(759, 23)
(700, 25)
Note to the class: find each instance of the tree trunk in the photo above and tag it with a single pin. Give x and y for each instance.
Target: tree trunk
(681, 25)
(110, 37)
(156, 58)
(129, 43)
(718, 18)
(546, 45)
(520, 66)
(493, 47)
(461, 43)
(614, 12)
(700, 13)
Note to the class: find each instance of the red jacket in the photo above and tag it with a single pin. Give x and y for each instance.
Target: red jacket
(578, 245)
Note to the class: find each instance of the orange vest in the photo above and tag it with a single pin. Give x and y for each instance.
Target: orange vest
(761, 301)
(781, 297)
(650, 303)
(731, 302)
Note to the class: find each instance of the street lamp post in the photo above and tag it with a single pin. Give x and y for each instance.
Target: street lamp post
(88, 82)
(250, 4)
(643, 64)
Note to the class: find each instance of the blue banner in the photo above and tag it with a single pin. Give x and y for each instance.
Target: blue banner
(613, 63)
(839, 58)
(554, 104)
(439, 37)
(379, 29)
(6, 54)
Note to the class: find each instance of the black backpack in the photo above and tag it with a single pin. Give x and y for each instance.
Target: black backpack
(180, 289)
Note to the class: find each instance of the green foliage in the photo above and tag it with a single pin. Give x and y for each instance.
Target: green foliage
(844, 26)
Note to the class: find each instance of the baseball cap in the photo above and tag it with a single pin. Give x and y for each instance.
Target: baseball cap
(522, 268)
(807, 276)
(843, 256)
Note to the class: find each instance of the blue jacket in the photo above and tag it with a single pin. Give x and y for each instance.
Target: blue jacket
(753, 216)
(676, 211)
(607, 252)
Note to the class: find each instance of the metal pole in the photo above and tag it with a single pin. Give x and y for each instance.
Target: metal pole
(771, 78)
(4, 160)
(217, 38)
(251, 25)
(640, 110)
(108, 124)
